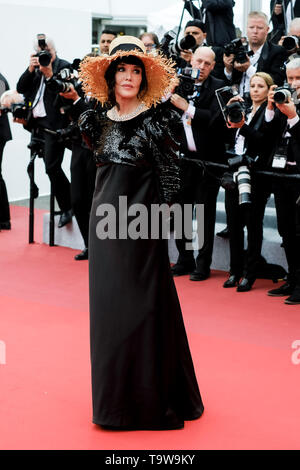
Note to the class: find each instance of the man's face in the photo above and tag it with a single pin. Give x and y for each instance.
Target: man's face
(203, 59)
(293, 79)
(105, 41)
(257, 31)
(197, 33)
(294, 31)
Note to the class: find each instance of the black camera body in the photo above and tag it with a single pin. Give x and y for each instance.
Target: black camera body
(62, 81)
(187, 77)
(238, 48)
(235, 111)
(283, 94)
(44, 56)
(18, 110)
(291, 43)
(171, 48)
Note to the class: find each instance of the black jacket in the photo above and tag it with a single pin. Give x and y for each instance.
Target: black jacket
(219, 20)
(278, 20)
(208, 125)
(258, 138)
(271, 61)
(5, 133)
(29, 84)
(277, 128)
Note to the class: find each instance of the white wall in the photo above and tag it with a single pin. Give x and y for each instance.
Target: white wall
(71, 30)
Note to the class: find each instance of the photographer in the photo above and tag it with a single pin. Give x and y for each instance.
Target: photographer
(291, 42)
(45, 113)
(245, 204)
(282, 117)
(217, 16)
(263, 56)
(5, 136)
(282, 13)
(203, 139)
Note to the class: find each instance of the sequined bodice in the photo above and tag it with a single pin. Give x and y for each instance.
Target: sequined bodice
(150, 139)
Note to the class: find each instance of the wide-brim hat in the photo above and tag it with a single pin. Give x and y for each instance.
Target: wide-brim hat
(160, 71)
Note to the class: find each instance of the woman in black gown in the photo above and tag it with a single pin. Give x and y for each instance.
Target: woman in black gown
(142, 372)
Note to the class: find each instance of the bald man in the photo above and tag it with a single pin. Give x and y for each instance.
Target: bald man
(204, 139)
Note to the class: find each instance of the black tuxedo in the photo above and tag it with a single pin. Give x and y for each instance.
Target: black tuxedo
(257, 143)
(271, 61)
(286, 193)
(208, 123)
(28, 85)
(197, 187)
(5, 135)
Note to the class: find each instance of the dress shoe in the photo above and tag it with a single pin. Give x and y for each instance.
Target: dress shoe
(245, 285)
(224, 233)
(65, 218)
(5, 225)
(232, 281)
(199, 275)
(282, 291)
(83, 255)
(182, 269)
(294, 299)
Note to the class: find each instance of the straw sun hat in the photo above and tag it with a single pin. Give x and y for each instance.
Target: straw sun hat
(160, 73)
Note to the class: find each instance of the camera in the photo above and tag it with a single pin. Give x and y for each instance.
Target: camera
(44, 55)
(171, 48)
(187, 77)
(240, 165)
(283, 94)
(61, 82)
(233, 112)
(239, 49)
(291, 43)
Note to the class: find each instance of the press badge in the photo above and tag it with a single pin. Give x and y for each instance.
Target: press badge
(279, 161)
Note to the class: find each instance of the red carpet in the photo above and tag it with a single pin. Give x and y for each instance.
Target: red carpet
(241, 345)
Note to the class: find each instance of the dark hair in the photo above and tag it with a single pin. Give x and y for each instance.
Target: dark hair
(111, 72)
(108, 31)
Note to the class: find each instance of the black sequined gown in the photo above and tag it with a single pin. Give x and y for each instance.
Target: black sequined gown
(142, 372)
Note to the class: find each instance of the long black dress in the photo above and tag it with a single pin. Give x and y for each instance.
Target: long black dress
(142, 372)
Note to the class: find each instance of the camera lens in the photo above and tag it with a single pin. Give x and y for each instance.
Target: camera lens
(282, 96)
(290, 43)
(188, 42)
(44, 58)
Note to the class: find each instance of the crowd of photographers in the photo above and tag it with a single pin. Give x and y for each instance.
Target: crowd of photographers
(239, 103)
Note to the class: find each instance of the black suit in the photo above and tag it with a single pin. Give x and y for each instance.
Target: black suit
(197, 188)
(257, 143)
(5, 136)
(271, 61)
(28, 85)
(219, 20)
(286, 193)
(279, 26)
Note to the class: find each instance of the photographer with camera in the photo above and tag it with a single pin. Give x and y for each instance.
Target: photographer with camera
(291, 42)
(83, 169)
(282, 118)
(5, 136)
(203, 140)
(262, 57)
(245, 200)
(45, 113)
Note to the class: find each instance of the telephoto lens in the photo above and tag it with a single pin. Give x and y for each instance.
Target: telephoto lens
(243, 180)
(282, 95)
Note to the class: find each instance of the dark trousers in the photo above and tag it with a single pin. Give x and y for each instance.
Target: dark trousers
(4, 205)
(199, 188)
(250, 216)
(83, 173)
(53, 157)
(286, 193)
